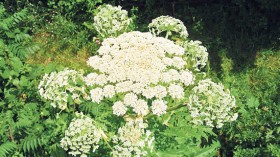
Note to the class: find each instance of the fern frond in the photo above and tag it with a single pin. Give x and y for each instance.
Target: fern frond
(23, 123)
(20, 37)
(14, 48)
(31, 143)
(7, 148)
(2, 11)
(56, 150)
(274, 149)
(31, 49)
(87, 107)
(11, 21)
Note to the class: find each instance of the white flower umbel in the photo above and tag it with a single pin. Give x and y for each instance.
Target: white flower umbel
(119, 108)
(211, 105)
(139, 65)
(141, 107)
(109, 91)
(176, 91)
(111, 21)
(168, 25)
(197, 54)
(96, 95)
(82, 136)
(58, 87)
(159, 107)
(133, 140)
(130, 99)
(187, 77)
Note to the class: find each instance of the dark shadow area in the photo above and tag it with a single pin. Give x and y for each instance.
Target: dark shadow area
(241, 27)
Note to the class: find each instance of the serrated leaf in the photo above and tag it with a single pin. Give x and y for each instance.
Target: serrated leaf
(253, 102)
(10, 34)
(208, 151)
(7, 148)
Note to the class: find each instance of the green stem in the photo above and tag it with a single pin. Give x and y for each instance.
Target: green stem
(166, 36)
(176, 107)
(105, 139)
(168, 110)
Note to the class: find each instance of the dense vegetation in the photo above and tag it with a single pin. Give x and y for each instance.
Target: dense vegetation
(242, 38)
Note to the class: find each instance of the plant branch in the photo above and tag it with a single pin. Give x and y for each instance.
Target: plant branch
(11, 133)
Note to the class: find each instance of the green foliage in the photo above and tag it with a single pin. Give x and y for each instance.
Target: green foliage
(22, 115)
(16, 41)
(274, 150)
(256, 131)
(247, 152)
(31, 143)
(61, 35)
(78, 10)
(7, 148)
(177, 136)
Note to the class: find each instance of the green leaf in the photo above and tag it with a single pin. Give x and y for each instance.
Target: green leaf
(2, 62)
(208, 151)
(253, 102)
(6, 74)
(7, 148)
(24, 82)
(10, 34)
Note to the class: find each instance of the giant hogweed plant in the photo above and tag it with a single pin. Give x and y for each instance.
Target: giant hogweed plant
(146, 95)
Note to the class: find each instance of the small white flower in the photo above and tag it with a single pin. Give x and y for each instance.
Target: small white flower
(176, 91)
(130, 99)
(132, 139)
(178, 62)
(57, 87)
(211, 104)
(167, 61)
(90, 79)
(187, 78)
(196, 54)
(123, 86)
(149, 92)
(81, 136)
(94, 61)
(141, 107)
(159, 107)
(168, 25)
(111, 21)
(96, 95)
(101, 79)
(119, 108)
(160, 91)
(109, 91)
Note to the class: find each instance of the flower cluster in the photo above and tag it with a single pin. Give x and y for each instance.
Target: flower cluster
(81, 136)
(133, 140)
(138, 67)
(61, 86)
(197, 54)
(211, 105)
(168, 25)
(111, 21)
